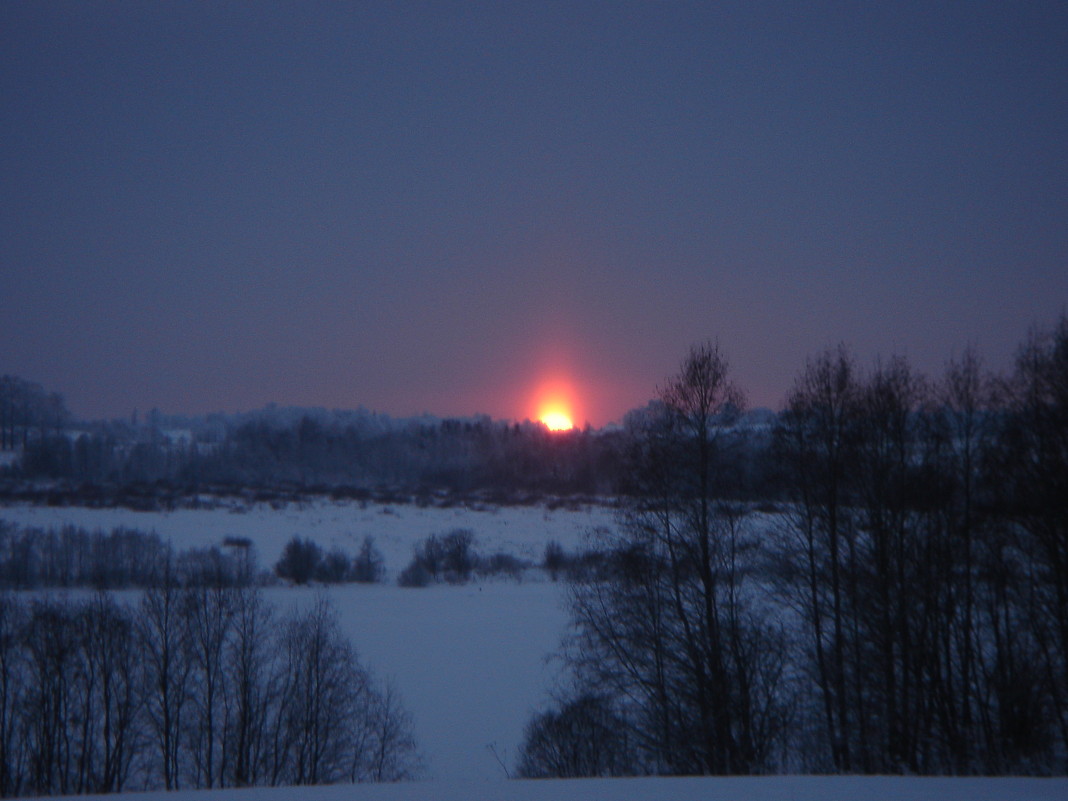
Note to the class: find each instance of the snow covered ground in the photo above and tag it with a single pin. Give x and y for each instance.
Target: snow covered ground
(471, 662)
(772, 788)
(522, 531)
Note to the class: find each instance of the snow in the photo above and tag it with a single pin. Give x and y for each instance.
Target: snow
(468, 661)
(771, 788)
(472, 662)
(522, 531)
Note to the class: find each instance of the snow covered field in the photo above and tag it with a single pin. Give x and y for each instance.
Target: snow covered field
(471, 662)
(522, 530)
(772, 788)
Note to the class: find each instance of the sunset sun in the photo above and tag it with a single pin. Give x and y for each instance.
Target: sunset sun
(556, 420)
(553, 404)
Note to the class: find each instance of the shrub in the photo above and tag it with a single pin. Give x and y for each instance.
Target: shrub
(502, 563)
(300, 561)
(431, 556)
(458, 555)
(368, 566)
(585, 737)
(210, 567)
(451, 557)
(334, 568)
(555, 559)
(414, 575)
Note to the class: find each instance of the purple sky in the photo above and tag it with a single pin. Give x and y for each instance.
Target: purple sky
(437, 207)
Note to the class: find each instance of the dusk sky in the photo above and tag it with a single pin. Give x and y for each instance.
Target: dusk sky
(440, 207)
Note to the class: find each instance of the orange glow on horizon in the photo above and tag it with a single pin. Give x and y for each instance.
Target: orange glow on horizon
(554, 405)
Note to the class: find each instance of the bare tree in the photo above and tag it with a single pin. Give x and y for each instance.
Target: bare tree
(585, 737)
(111, 694)
(322, 683)
(383, 745)
(252, 687)
(207, 689)
(1033, 468)
(458, 555)
(51, 637)
(670, 626)
(959, 436)
(24, 407)
(333, 724)
(368, 567)
(13, 694)
(817, 442)
(300, 560)
(209, 613)
(167, 650)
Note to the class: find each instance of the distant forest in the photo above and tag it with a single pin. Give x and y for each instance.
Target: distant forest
(360, 454)
(355, 454)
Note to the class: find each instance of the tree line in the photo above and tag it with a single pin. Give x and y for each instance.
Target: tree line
(323, 454)
(72, 556)
(201, 687)
(27, 410)
(905, 610)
